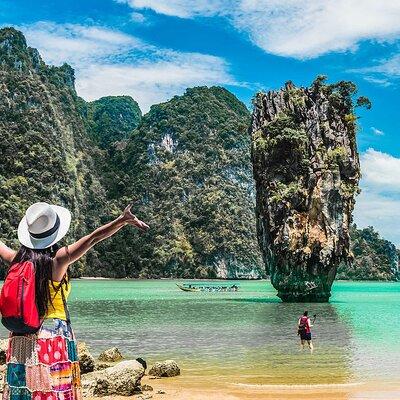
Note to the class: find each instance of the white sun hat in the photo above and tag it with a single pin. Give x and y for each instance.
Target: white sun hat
(43, 225)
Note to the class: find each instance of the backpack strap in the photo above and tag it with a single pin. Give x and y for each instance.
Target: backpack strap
(67, 315)
(65, 306)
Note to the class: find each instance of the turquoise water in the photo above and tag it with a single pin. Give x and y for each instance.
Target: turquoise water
(244, 337)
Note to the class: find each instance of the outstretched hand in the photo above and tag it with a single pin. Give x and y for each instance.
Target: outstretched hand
(132, 219)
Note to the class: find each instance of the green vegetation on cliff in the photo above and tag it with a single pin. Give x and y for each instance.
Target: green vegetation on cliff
(374, 258)
(111, 119)
(188, 166)
(44, 144)
(186, 163)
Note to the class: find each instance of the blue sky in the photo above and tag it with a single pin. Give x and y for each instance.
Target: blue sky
(154, 49)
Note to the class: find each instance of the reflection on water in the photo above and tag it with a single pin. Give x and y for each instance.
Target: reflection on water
(246, 337)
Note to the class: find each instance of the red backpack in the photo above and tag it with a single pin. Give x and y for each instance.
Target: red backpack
(302, 325)
(18, 299)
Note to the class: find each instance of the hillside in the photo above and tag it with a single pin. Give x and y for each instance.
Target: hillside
(186, 163)
(111, 119)
(188, 167)
(46, 154)
(374, 258)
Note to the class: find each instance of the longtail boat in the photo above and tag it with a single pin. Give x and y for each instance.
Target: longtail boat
(207, 287)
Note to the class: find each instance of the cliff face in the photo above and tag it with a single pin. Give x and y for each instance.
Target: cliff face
(186, 163)
(188, 166)
(111, 119)
(374, 258)
(306, 169)
(44, 147)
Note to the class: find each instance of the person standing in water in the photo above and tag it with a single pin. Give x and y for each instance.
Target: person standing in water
(304, 331)
(44, 365)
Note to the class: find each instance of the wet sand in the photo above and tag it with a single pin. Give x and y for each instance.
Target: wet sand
(180, 388)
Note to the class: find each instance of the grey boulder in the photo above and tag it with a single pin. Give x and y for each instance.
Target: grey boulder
(166, 368)
(122, 379)
(86, 360)
(111, 355)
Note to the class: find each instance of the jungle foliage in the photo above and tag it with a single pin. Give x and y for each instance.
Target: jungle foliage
(186, 163)
(374, 257)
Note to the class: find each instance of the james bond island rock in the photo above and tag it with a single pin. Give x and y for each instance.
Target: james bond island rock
(306, 168)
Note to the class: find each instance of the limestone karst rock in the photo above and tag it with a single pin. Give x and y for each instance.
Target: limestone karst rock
(188, 166)
(306, 168)
(46, 154)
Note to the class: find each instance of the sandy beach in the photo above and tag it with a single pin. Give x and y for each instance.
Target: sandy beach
(180, 388)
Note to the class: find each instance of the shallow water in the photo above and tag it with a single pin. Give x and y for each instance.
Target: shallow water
(248, 337)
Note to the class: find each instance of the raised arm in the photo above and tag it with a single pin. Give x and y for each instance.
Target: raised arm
(69, 254)
(6, 254)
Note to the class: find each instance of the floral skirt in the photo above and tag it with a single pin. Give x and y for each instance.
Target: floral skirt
(44, 365)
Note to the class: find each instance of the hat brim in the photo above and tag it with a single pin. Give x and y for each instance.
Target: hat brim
(26, 240)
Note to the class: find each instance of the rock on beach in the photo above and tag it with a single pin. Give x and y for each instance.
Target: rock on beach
(166, 368)
(111, 355)
(86, 360)
(122, 379)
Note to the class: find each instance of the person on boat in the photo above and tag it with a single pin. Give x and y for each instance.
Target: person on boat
(304, 331)
(44, 365)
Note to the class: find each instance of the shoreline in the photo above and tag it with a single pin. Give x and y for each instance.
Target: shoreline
(188, 388)
(172, 279)
(218, 279)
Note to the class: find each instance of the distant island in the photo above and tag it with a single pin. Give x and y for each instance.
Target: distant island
(186, 164)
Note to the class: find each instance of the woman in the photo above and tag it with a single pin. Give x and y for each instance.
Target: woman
(44, 365)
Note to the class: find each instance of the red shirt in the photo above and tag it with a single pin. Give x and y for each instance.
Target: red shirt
(306, 321)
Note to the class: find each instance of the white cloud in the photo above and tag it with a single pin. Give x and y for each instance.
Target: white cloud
(152, 82)
(294, 28)
(387, 67)
(381, 212)
(377, 131)
(381, 171)
(379, 202)
(138, 17)
(182, 8)
(382, 72)
(379, 81)
(109, 62)
(76, 44)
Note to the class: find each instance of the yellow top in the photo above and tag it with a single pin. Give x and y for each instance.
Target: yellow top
(56, 310)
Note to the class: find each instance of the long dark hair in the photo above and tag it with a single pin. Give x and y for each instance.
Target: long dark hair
(43, 262)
